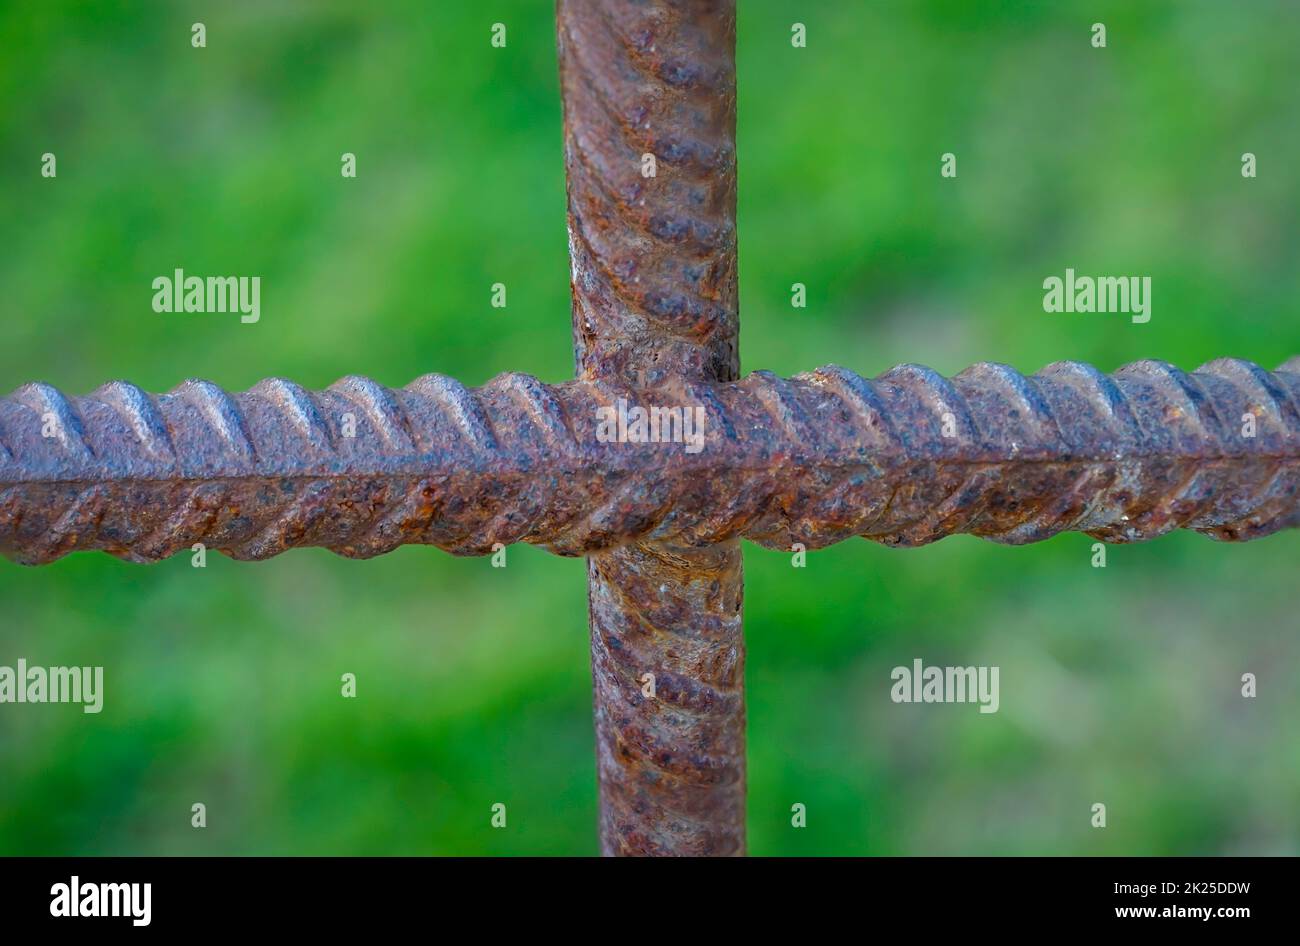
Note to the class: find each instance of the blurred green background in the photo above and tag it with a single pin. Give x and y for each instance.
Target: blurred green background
(1119, 685)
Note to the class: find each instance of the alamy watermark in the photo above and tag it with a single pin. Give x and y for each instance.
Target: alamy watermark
(181, 293)
(921, 684)
(78, 899)
(619, 423)
(24, 684)
(1127, 294)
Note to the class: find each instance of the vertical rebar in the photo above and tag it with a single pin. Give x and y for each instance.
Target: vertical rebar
(650, 125)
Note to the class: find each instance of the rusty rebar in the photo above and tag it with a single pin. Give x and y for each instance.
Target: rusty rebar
(813, 459)
(653, 251)
(649, 148)
(906, 458)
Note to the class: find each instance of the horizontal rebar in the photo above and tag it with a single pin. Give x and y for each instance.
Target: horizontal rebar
(904, 459)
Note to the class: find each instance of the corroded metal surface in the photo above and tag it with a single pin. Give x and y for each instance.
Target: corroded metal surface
(813, 459)
(654, 258)
(653, 251)
(670, 750)
(904, 459)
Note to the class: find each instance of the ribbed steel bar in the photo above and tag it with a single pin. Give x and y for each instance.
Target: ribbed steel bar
(653, 250)
(904, 459)
(649, 131)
